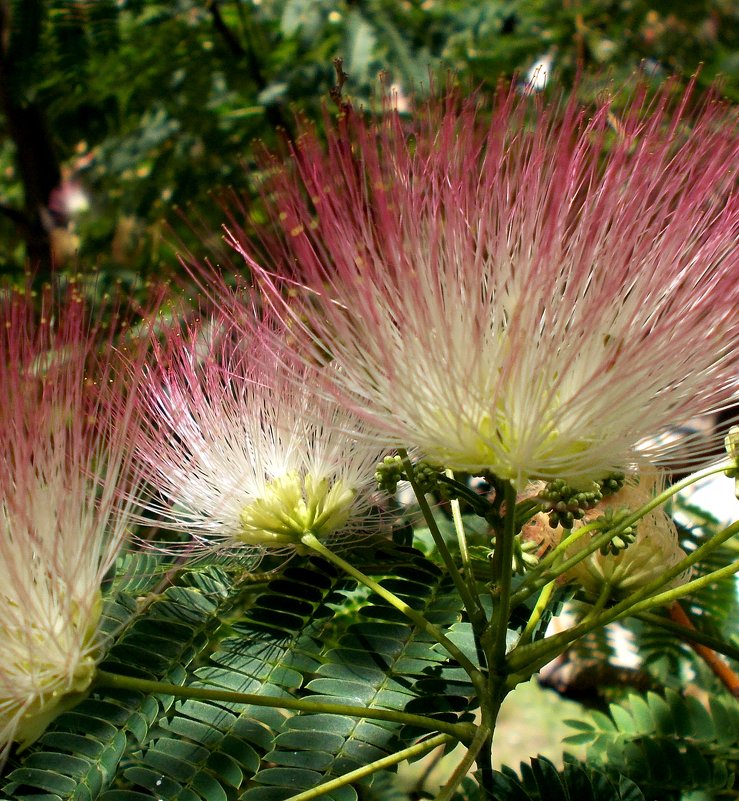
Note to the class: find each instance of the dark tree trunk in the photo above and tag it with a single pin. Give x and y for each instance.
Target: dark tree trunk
(36, 160)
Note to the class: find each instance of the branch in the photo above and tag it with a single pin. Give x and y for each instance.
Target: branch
(229, 37)
(462, 731)
(720, 669)
(335, 93)
(272, 111)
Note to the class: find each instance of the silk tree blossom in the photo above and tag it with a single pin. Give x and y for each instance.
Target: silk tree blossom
(62, 520)
(537, 292)
(241, 453)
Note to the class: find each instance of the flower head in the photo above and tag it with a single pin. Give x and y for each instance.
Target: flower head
(62, 522)
(241, 452)
(533, 293)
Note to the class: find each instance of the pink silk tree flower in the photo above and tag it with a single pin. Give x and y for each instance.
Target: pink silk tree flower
(530, 290)
(241, 453)
(62, 520)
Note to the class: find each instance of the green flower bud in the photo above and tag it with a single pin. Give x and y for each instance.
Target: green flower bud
(565, 503)
(612, 483)
(389, 472)
(732, 448)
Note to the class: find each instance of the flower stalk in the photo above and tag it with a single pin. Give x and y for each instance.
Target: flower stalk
(464, 732)
(483, 737)
(502, 578)
(412, 752)
(311, 541)
(689, 634)
(466, 590)
(668, 596)
(477, 615)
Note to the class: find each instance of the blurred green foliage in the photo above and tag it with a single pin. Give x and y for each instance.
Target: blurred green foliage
(138, 108)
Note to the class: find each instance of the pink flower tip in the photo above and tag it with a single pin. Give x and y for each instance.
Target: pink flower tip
(62, 519)
(536, 290)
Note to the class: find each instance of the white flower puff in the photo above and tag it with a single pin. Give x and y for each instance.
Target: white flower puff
(239, 449)
(538, 291)
(63, 516)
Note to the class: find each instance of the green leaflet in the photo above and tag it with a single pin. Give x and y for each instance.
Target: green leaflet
(291, 642)
(379, 661)
(210, 750)
(666, 743)
(541, 781)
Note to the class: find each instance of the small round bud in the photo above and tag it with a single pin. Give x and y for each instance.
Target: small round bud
(566, 504)
(621, 541)
(426, 476)
(612, 483)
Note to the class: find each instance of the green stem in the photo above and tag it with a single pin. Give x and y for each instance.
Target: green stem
(464, 732)
(490, 706)
(542, 579)
(479, 621)
(502, 576)
(494, 639)
(673, 489)
(541, 575)
(311, 541)
(414, 751)
(529, 655)
(481, 737)
(541, 604)
(670, 596)
(469, 598)
(690, 635)
(600, 603)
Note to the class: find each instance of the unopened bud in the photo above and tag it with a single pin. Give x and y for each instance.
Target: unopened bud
(731, 442)
(389, 472)
(524, 555)
(426, 476)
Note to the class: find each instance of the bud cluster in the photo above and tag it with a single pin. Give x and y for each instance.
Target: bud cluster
(390, 471)
(610, 519)
(612, 483)
(636, 555)
(565, 503)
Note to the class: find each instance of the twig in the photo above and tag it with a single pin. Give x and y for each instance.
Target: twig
(335, 92)
(721, 670)
(234, 45)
